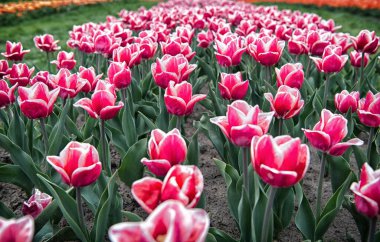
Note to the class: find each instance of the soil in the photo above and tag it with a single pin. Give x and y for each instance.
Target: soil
(215, 190)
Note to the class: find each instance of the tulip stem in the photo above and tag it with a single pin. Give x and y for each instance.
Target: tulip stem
(361, 72)
(48, 61)
(179, 123)
(10, 114)
(308, 67)
(268, 213)
(80, 210)
(320, 185)
(98, 60)
(370, 140)
(372, 229)
(280, 124)
(44, 135)
(325, 94)
(106, 164)
(245, 168)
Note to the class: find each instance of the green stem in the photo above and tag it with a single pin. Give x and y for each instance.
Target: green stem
(280, 124)
(44, 135)
(48, 61)
(98, 60)
(179, 123)
(326, 94)
(10, 114)
(372, 229)
(361, 72)
(370, 140)
(320, 185)
(245, 168)
(308, 67)
(268, 214)
(80, 210)
(106, 164)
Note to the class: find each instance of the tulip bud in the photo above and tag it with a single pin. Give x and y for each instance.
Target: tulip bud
(332, 60)
(4, 68)
(291, 75)
(366, 41)
(369, 111)
(266, 50)
(14, 51)
(345, 101)
(65, 60)
(119, 74)
(229, 51)
(232, 86)
(356, 59)
(7, 95)
(36, 203)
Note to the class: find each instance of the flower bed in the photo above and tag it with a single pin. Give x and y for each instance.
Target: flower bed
(104, 142)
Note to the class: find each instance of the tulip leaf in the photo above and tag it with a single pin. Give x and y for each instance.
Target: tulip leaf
(46, 215)
(284, 208)
(131, 217)
(147, 121)
(13, 174)
(162, 120)
(214, 135)
(244, 214)
(220, 235)
(304, 220)
(215, 101)
(360, 157)
(68, 207)
(72, 128)
(210, 238)
(258, 218)
(146, 83)
(131, 168)
(128, 126)
(5, 212)
(56, 136)
(63, 234)
(173, 122)
(340, 169)
(208, 70)
(16, 130)
(332, 208)
(90, 196)
(193, 150)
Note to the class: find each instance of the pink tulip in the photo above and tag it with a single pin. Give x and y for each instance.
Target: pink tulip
(78, 164)
(181, 183)
(369, 110)
(130, 54)
(86, 45)
(174, 46)
(366, 41)
(148, 47)
(89, 76)
(287, 103)
(104, 43)
(366, 192)
(332, 60)
(205, 39)
(246, 27)
(37, 101)
(345, 101)
(65, 60)
(291, 75)
(42, 76)
(18, 230)
(328, 25)
(297, 45)
(169, 222)
(179, 100)
(232, 86)
(283, 33)
(317, 42)
(102, 103)
(185, 33)
(229, 51)
(70, 85)
(342, 40)
(165, 150)
(242, 122)
(267, 50)
(171, 68)
(46, 43)
(36, 203)
(20, 74)
(7, 95)
(356, 59)
(119, 74)
(329, 132)
(281, 161)
(14, 51)
(4, 68)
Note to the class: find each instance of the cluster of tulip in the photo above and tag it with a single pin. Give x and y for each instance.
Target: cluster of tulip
(139, 96)
(363, 4)
(21, 7)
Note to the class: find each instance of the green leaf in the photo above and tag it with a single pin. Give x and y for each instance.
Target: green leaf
(258, 217)
(68, 207)
(56, 136)
(215, 101)
(46, 215)
(16, 130)
(13, 174)
(284, 208)
(210, 238)
(208, 70)
(340, 170)
(360, 157)
(244, 213)
(131, 217)
(193, 150)
(214, 135)
(304, 220)
(64, 234)
(148, 122)
(131, 168)
(221, 236)
(129, 128)
(88, 127)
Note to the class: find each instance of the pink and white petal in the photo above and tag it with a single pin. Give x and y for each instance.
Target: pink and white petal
(175, 105)
(318, 139)
(340, 148)
(84, 176)
(278, 178)
(86, 104)
(110, 111)
(158, 167)
(147, 193)
(56, 163)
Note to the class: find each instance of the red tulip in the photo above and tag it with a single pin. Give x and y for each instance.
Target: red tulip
(119, 74)
(266, 50)
(169, 222)
(332, 60)
(243, 122)
(7, 95)
(18, 230)
(328, 25)
(20, 74)
(317, 42)
(297, 45)
(205, 39)
(179, 100)
(104, 43)
(328, 132)
(232, 86)
(4, 68)
(366, 41)
(369, 110)
(36, 203)
(281, 161)
(70, 85)
(291, 75)
(181, 183)
(356, 59)
(165, 150)
(342, 40)
(78, 164)
(102, 103)
(131, 55)
(174, 46)
(46, 43)
(14, 51)
(42, 76)
(229, 51)
(148, 47)
(171, 68)
(345, 101)
(185, 33)
(65, 60)
(37, 101)
(246, 27)
(89, 76)
(287, 103)
(366, 192)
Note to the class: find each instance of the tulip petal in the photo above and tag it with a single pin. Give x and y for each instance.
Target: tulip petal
(110, 112)
(147, 193)
(277, 178)
(86, 104)
(318, 139)
(83, 176)
(157, 167)
(340, 148)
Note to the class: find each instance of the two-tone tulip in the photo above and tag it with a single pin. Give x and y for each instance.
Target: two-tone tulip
(266, 50)
(205, 39)
(21, 229)
(69, 84)
(356, 59)
(36, 203)
(332, 60)
(7, 95)
(20, 74)
(229, 51)
(232, 86)
(4, 68)
(89, 76)
(46, 43)
(174, 46)
(65, 60)
(366, 42)
(131, 55)
(119, 74)
(290, 75)
(14, 51)
(345, 101)
(369, 110)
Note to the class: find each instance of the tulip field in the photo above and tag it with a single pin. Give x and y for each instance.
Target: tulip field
(216, 121)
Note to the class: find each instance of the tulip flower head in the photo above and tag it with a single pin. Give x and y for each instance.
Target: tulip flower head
(21, 229)
(20, 74)
(78, 164)
(70, 84)
(65, 60)
(345, 101)
(232, 86)
(169, 222)
(242, 122)
(290, 75)
(89, 76)
(281, 161)
(36, 203)
(119, 75)
(14, 51)
(7, 95)
(46, 43)
(332, 60)
(366, 42)
(4, 68)
(329, 132)
(356, 59)
(266, 50)
(369, 110)
(165, 150)
(229, 51)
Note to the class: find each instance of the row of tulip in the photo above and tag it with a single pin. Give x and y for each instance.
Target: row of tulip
(363, 4)
(132, 81)
(21, 7)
